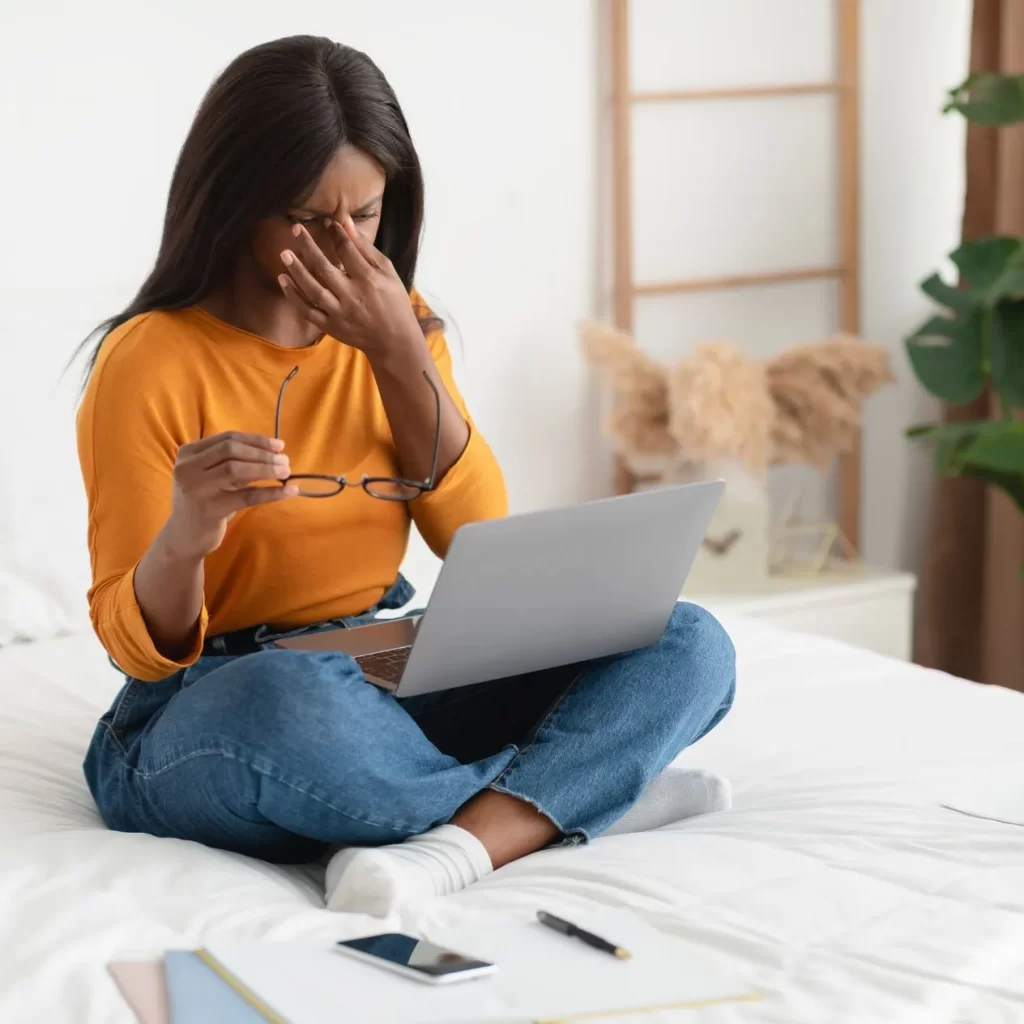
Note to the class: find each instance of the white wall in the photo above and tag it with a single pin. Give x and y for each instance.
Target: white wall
(502, 100)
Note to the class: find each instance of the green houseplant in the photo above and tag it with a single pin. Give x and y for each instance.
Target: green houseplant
(977, 341)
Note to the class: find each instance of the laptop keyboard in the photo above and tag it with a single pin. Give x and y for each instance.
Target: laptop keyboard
(385, 665)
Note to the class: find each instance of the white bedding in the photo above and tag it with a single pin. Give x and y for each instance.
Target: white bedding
(837, 886)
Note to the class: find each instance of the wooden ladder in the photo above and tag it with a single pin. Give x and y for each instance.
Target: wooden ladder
(846, 272)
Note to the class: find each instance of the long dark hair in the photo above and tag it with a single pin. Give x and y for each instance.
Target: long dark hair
(263, 135)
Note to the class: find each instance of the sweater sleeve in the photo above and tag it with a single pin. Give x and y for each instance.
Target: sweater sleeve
(127, 443)
(473, 489)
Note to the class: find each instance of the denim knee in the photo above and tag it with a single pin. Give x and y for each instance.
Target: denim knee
(704, 652)
(278, 700)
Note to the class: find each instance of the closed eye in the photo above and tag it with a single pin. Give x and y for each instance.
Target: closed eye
(360, 215)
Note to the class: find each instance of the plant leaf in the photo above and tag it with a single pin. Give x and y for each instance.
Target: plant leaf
(990, 450)
(1010, 283)
(954, 441)
(1011, 483)
(955, 430)
(946, 354)
(949, 441)
(991, 267)
(989, 98)
(1006, 350)
(949, 455)
(959, 300)
(1001, 449)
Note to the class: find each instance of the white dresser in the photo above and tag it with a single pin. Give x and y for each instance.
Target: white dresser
(874, 610)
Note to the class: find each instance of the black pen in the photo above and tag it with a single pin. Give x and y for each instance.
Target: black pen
(595, 941)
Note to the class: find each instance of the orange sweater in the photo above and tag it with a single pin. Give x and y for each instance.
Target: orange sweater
(167, 378)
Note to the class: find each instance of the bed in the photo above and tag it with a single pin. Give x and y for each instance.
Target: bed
(839, 886)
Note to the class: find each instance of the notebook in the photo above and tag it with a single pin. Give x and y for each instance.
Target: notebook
(197, 995)
(144, 989)
(542, 976)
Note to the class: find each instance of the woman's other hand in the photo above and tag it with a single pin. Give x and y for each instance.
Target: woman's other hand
(216, 477)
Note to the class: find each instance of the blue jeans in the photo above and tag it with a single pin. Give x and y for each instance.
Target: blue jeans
(279, 753)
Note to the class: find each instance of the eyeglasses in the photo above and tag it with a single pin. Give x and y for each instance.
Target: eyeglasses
(386, 488)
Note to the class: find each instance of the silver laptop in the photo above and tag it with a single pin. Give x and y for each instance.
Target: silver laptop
(539, 590)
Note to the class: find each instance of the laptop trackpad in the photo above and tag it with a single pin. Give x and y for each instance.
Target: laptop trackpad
(357, 641)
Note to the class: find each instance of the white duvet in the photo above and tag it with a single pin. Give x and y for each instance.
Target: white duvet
(838, 886)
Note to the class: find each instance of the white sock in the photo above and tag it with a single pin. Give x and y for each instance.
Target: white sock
(377, 880)
(675, 794)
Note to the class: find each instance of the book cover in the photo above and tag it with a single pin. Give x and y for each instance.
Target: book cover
(197, 995)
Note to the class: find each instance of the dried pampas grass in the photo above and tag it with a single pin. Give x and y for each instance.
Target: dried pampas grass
(639, 415)
(817, 392)
(717, 404)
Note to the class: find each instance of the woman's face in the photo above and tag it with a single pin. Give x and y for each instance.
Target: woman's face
(352, 184)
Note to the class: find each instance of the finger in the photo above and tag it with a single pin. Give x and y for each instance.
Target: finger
(235, 501)
(235, 449)
(234, 476)
(196, 448)
(366, 248)
(358, 257)
(310, 288)
(294, 298)
(314, 260)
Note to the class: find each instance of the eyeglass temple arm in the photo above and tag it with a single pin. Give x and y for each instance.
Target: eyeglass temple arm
(432, 479)
(280, 401)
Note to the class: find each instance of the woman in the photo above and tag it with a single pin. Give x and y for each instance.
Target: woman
(288, 254)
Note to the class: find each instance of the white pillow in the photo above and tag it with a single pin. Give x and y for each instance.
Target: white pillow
(35, 603)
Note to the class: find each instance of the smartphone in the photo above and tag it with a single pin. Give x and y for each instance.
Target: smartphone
(416, 958)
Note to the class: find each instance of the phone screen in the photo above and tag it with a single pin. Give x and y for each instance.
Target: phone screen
(415, 954)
